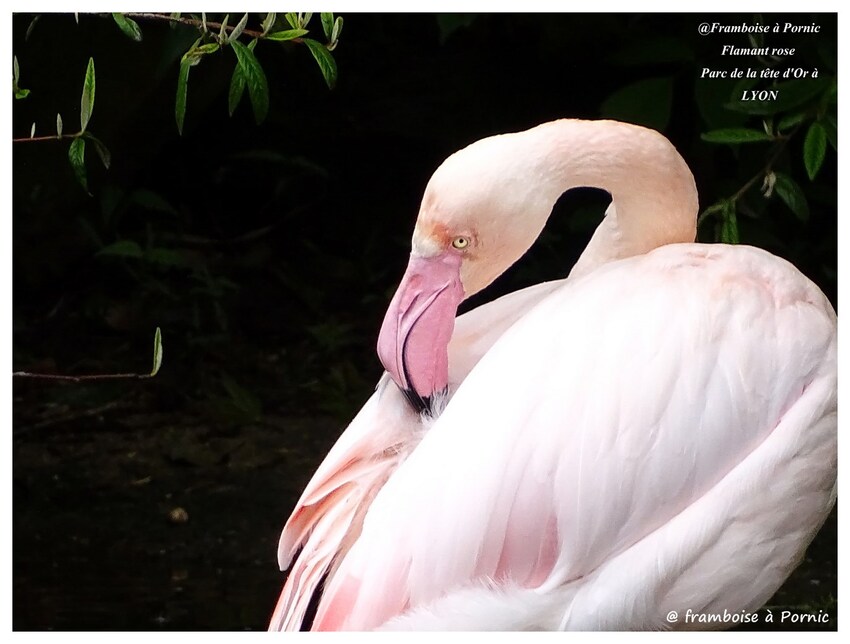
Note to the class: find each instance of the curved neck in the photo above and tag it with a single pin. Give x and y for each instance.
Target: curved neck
(501, 190)
(653, 195)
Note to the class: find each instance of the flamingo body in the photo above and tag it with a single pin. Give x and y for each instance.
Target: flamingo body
(655, 433)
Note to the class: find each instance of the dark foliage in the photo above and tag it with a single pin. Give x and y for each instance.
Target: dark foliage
(286, 237)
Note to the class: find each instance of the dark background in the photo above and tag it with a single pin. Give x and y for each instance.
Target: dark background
(268, 256)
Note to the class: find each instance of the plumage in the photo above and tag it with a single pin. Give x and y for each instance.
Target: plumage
(656, 432)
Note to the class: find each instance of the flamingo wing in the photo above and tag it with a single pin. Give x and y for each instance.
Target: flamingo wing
(329, 514)
(330, 510)
(658, 433)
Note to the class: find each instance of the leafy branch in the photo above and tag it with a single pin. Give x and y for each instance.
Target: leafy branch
(203, 23)
(157, 363)
(77, 149)
(809, 104)
(248, 73)
(16, 75)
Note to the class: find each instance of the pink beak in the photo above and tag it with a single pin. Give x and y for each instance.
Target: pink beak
(414, 338)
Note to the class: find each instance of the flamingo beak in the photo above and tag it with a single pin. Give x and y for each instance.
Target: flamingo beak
(414, 338)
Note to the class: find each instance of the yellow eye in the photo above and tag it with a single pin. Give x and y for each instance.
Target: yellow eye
(460, 242)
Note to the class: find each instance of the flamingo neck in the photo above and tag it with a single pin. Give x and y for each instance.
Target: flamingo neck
(653, 195)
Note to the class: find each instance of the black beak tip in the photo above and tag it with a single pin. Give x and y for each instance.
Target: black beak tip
(416, 401)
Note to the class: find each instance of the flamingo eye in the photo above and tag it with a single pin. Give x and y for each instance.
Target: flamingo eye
(460, 242)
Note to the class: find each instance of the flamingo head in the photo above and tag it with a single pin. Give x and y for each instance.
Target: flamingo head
(486, 204)
(467, 233)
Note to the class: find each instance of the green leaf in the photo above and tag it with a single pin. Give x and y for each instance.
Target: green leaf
(77, 157)
(255, 79)
(237, 84)
(122, 248)
(337, 30)
(790, 120)
(207, 48)
(239, 28)
(157, 351)
(733, 135)
(831, 129)
(830, 95)
(268, 22)
(729, 226)
(100, 148)
(59, 125)
(292, 19)
(16, 76)
(327, 23)
(326, 61)
(288, 34)
(128, 26)
(222, 34)
(87, 99)
(237, 88)
(814, 149)
(31, 27)
(646, 102)
(182, 87)
(792, 195)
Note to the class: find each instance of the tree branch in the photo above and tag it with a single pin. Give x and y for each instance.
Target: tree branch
(94, 376)
(192, 22)
(767, 167)
(50, 137)
(782, 141)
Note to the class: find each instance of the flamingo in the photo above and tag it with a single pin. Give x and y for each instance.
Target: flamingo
(650, 438)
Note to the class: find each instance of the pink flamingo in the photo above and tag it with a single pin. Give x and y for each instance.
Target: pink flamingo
(655, 434)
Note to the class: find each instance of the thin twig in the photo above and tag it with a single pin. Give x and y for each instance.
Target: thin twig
(192, 22)
(768, 167)
(50, 137)
(83, 378)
